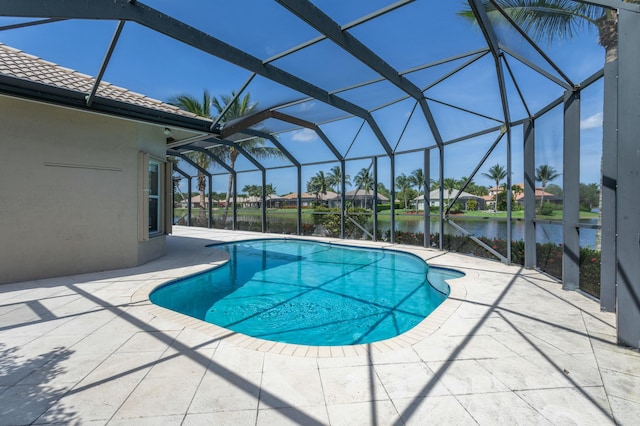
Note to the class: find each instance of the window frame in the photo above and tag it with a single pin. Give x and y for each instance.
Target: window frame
(157, 197)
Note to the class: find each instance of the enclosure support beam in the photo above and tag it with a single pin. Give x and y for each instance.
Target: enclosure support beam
(210, 203)
(263, 195)
(571, 191)
(529, 163)
(234, 223)
(299, 199)
(105, 63)
(343, 188)
(426, 204)
(608, 185)
(487, 29)
(628, 179)
(441, 197)
(189, 194)
(392, 190)
(375, 198)
(185, 175)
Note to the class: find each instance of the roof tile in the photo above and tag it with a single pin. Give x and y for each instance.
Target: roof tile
(16, 63)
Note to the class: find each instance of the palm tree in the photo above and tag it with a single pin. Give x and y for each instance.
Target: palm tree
(254, 146)
(239, 108)
(496, 174)
(517, 189)
(318, 184)
(382, 190)
(269, 190)
(252, 190)
(363, 180)
(417, 179)
(334, 178)
(544, 175)
(403, 183)
(203, 109)
(450, 184)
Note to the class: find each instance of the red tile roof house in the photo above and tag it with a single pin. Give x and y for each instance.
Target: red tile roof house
(519, 197)
(83, 189)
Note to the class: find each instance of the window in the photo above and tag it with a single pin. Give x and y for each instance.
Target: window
(155, 200)
(154, 197)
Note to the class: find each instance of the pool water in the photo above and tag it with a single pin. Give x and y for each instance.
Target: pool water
(311, 293)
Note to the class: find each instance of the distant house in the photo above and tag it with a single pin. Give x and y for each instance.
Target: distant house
(362, 198)
(463, 199)
(245, 202)
(256, 202)
(519, 195)
(307, 199)
(195, 202)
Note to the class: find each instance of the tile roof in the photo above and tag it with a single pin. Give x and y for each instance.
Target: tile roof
(18, 64)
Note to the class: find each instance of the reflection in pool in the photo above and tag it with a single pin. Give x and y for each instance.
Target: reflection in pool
(311, 293)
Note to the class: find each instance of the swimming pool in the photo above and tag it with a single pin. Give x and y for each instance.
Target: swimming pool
(311, 293)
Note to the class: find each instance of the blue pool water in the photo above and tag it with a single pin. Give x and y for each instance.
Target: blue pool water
(311, 293)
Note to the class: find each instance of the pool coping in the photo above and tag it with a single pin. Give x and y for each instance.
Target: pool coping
(425, 328)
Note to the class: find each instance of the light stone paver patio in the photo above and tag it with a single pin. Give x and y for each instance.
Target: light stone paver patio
(508, 347)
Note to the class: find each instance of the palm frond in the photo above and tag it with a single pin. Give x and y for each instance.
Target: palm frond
(239, 108)
(194, 105)
(543, 20)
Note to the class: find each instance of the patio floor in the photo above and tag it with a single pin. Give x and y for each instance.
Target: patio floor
(509, 346)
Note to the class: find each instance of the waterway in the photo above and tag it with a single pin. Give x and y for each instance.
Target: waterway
(489, 228)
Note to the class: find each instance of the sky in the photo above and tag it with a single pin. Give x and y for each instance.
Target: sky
(417, 34)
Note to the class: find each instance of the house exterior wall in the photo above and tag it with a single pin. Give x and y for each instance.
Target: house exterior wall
(70, 192)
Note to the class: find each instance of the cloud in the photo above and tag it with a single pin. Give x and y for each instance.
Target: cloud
(304, 135)
(591, 122)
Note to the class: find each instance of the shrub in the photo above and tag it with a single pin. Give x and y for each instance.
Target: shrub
(330, 220)
(590, 271)
(546, 209)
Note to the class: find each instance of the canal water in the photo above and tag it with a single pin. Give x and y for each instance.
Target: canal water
(489, 228)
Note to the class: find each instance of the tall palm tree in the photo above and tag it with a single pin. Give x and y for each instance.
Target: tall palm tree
(496, 174)
(203, 109)
(363, 180)
(417, 179)
(254, 146)
(239, 108)
(334, 178)
(544, 175)
(403, 183)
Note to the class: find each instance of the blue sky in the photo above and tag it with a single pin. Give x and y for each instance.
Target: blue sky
(419, 33)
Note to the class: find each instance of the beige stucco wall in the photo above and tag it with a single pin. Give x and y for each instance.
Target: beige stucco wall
(69, 191)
